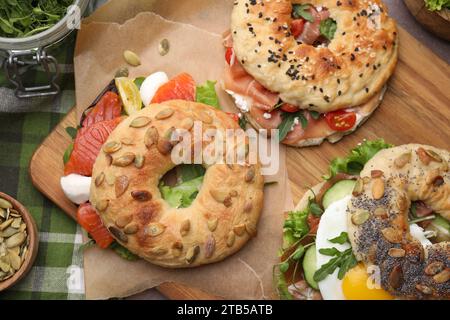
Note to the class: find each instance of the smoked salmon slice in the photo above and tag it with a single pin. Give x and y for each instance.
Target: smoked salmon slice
(180, 87)
(88, 218)
(108, 108)
(87, 145)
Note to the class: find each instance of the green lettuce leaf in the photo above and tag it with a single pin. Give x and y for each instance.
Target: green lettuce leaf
(357, 158)
(328, 28)
(138, 81)
(187, 172)
(68, 153)
(437, 5)
(295, 227)
(181, 195)
(123, 252)
(206, 94)
(300, 11)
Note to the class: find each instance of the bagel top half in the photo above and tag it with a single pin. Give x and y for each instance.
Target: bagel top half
(354, 66)
(125, 190)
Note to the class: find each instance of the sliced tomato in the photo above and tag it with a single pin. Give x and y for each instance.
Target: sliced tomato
(233, 116)
(313, 223)
(340, 120)
(88, 218)
(228, 55)
(108, 108)
(287, 107)
(297, 26)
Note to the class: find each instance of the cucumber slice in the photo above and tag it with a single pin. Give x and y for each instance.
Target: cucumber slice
(338, 191)
(441, 227)
(310, 266)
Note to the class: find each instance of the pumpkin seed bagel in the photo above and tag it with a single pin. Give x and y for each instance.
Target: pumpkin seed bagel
(378, 219)
(125, 192)
(353, 67)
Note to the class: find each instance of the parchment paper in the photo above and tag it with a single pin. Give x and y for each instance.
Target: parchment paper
(248, 273)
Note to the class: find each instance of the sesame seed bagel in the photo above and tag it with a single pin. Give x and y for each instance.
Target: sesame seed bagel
(378, 219)
(348, 72)
(125, 192)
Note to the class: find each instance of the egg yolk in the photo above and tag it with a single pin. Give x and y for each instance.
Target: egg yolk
(358, 285)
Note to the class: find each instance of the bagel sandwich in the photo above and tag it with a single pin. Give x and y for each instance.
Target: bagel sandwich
(376, 228)
(135, 199)
(315, 70)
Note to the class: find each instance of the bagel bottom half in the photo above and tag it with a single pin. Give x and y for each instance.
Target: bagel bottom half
(125, 193)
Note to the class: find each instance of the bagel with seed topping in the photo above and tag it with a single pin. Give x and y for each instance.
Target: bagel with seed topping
(326, 61)
(378, 227)
(388, 184)
(125, 193)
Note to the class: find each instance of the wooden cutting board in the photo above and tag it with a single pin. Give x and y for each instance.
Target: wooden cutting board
(416, 108)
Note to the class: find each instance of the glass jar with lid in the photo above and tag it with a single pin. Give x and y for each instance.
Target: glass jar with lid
(32, 51)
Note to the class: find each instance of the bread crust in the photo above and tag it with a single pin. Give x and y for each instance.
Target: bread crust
(355, 65)
(222, 218)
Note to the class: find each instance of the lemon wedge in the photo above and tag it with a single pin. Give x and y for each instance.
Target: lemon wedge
(129, 93)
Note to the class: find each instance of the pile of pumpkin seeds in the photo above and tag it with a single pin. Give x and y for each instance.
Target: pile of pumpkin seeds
(14, 240)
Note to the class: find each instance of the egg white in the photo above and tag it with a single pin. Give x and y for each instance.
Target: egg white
(332, 223)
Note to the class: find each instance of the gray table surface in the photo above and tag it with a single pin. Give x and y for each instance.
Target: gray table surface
(398, 10)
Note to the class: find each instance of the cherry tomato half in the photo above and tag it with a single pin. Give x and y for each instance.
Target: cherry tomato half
(287, 107)
(229, 55)
(297, 27)
(340, 120)
(233, 116)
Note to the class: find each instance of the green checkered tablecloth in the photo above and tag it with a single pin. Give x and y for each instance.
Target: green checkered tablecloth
(57, 272)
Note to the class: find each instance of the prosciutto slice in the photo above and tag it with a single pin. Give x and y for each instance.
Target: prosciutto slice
(311, 31)
(239, 81)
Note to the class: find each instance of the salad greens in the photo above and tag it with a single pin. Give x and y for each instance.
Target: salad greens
(288, 120)
(354, 162)
(138, 81)
(436, 5)
(328, 28)
(243, 122)
(340, 239)
(23, 18)
(344, 260)
(72, 132)
(123, 252)
(295, 230)
(300, 11)
(206, 94)
(190, 179)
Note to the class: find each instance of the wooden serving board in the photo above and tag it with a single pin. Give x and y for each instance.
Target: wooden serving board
(416, 108)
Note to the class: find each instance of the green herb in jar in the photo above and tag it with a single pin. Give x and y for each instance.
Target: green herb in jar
(23, 18)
